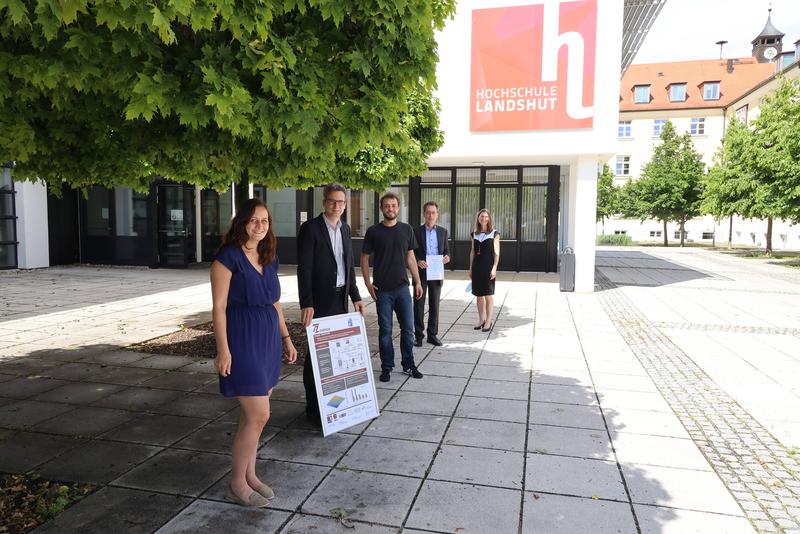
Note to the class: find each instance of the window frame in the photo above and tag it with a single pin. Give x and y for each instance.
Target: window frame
(697, 126)
(674, 86)
(661, 123)
(625, 162)
(624, 130)
(636, 99)
(706, 86)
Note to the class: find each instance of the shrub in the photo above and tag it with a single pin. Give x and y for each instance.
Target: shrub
(622, 240)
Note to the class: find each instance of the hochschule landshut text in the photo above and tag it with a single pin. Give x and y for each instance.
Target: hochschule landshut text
(534, 98)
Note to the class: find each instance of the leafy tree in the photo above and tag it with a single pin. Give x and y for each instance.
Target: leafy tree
(670, 187)
(773, 158)
(607, 195)
(289, 93)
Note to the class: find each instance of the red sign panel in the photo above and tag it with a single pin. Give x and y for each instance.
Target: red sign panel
(533, 66)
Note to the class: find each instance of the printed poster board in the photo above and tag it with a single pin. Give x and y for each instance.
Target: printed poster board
(340, 357)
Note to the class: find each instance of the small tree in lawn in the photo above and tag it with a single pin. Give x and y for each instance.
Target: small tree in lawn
(670, 187)
(607, 195)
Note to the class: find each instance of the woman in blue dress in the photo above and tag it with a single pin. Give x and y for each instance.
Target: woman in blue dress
(251, 336)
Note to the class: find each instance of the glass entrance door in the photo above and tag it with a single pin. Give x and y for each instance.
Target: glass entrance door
(176, 239)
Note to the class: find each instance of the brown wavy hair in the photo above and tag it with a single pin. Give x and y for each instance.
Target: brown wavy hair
(489, 225)
(237, 232)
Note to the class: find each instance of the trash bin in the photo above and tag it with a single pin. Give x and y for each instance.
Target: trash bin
(566, 272)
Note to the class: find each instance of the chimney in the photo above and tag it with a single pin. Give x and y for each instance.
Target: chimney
(797, 50)
(730, 66)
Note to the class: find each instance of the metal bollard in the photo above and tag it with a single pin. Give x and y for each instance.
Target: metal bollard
(566, 272)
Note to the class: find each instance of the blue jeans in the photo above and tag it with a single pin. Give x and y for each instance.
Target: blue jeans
(399, 301)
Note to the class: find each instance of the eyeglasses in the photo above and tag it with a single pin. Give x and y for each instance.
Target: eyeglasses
(335, 202)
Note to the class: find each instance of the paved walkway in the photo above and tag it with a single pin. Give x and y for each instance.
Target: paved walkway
(578, 413)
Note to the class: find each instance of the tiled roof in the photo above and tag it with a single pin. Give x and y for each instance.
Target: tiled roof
(746, 73)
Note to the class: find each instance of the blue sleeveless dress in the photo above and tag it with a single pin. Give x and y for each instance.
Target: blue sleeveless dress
(254, 336)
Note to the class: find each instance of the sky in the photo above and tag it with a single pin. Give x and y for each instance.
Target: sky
(688, 29)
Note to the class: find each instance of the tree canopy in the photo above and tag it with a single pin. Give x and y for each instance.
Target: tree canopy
(292, 92)
(670, 187)
(607, 195)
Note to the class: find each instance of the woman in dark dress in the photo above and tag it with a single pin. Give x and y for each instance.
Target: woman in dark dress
(484, 255)
(251, 335)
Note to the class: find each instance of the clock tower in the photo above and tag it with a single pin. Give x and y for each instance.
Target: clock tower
(769, 42)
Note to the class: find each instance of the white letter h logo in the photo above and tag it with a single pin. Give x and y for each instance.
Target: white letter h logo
(551, 43)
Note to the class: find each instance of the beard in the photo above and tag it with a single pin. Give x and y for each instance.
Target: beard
(390, 216)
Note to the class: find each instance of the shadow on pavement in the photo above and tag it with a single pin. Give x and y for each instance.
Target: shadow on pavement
(636, 268)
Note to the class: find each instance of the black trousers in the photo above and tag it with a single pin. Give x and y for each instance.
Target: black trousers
(312, 404)
(433, 290)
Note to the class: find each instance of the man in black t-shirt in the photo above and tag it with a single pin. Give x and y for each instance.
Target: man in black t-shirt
(392, 245)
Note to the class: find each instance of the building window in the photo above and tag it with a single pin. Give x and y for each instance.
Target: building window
(620, 232)
(641, 94)
(677, 92)
(678, 234)
(658, 125)
(697, 126)
(282, 206)
(624, 129)
(655, 233)
(8, 221)
(130, 212)
(708, 235)
(623, 166)
(711, 91)
(741, 114)
(467, 206)
(361, 211)
(98, 211)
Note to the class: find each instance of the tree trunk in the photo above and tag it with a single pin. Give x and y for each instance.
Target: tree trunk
(714, 234)
(241, 190)
(603, 225)
(666, 243)
(769, 236)
(683, 234)
(730, 234)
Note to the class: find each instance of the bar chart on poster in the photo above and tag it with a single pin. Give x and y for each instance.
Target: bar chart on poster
(340, 358)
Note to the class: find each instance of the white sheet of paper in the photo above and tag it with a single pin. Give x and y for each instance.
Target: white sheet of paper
(435, 266)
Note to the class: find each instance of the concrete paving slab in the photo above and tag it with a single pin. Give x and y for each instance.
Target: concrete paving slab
(25, 414)
(473, 465)
(28, 366)
(496, 389)
(679, 488)
(138, 399)
(435, 384)
(621, 400)
(128, 376)
(162, 361)
(95, 461)
(177, 472)
(645, 422)
(453, 507)
(417, 427)
(308, 447)
(371, 497)
(28, 386)
(303, 524)
(282, 413)
(514, 360)
(85, 421)
(574, 476)
(676, 521)
(289, 391)
(23, 451)
(117, 510)
(493, 409)
(181, 381)
(78, 393)
(659, 450)
(155, 429)
(212, 516)
(200, 365)
(560, 513)
(392, 456)
(577, 442)
(116, 357)
(291, 482)
(497, 372)
(486, 434)
(563, 394)
(568, 415)
(423, 403)
(439, 368)
(198, 405)
(74, 371)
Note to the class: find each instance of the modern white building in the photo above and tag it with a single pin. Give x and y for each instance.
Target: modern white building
(699, 97)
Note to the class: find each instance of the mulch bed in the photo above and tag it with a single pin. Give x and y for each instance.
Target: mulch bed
(28, 501)
(198, 342)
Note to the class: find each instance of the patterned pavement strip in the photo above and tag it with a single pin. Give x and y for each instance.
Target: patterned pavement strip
(737, 329)
(756, 468)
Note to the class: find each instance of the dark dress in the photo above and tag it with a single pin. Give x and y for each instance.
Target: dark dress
(482, 264)
(254, 337)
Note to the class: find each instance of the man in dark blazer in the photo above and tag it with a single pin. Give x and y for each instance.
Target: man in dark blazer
(326, 275)
(429, 236)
